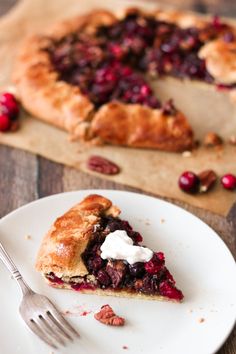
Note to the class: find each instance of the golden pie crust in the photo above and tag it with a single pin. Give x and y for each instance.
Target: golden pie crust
(67, 239)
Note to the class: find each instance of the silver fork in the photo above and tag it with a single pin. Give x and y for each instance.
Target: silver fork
(38, 312)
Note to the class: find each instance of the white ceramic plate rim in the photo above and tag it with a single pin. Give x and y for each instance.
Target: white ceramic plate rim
(14, 213)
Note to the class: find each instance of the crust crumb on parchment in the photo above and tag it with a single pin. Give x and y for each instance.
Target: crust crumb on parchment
(201, 320)
(28, 237)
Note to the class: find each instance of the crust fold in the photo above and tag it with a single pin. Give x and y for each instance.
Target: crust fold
(68, 237)
(139, 126)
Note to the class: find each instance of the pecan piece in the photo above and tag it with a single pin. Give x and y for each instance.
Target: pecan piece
(212, 139)
(107, 316)
(102, 165)
(207, 180)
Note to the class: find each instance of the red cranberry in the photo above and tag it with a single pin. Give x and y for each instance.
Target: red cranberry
(153, 266)
(218, 24)
(228, 181)
(160, 256)
(54, 279)
(189, 182)
(117, 51)
(145, 90)
(82, 286)
(9, 105)
(168, 290)
(126, 71)
(5, 122)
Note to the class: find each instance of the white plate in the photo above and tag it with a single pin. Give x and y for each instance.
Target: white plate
(199, 260)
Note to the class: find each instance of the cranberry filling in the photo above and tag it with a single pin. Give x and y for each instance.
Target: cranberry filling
(108, 65)
(82, 286)
(54, 279)
(151, 278)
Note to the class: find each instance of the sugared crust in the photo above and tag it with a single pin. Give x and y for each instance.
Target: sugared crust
(63, 245)
(140, 126)
(220, 60)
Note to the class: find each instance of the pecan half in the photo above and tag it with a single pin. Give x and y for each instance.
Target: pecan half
(107, 316)
(212, 139)
(102, 165)
(207, 180)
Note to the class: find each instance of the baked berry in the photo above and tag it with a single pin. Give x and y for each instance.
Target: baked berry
(5, 123)
(167, 289)
(189, 182)
(53, 278)
(137, 269)
(103, 278)
(9, 105)
(228, 181)
(95, 263)
(154, 265)
(160, 256)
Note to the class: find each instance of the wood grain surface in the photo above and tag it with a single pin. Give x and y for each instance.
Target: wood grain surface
(25, 177)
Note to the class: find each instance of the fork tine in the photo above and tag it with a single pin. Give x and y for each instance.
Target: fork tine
(43, 323)
(57, 326)
(38, 331)
(61, 320)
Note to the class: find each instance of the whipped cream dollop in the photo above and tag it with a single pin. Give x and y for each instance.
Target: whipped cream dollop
(118, 245)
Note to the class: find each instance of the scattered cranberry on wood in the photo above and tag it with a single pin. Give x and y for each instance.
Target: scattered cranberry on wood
(189, 182)
(228, 181)
(192, 183)
(9, 111)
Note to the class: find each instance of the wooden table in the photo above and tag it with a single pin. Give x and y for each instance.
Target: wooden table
(25, 177)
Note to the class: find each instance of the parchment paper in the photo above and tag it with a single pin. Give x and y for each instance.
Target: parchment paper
(152, 171)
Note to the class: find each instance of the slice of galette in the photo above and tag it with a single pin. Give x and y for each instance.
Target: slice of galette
(91, 250)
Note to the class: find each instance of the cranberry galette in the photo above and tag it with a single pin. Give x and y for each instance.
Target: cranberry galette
(91, 250)
(94, 75)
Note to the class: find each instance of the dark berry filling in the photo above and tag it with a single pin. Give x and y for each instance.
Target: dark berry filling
(109, 65)
(150, 278)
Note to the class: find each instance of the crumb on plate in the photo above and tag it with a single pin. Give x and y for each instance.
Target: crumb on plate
(187, 154)
(28, 237)
(201, 320)
(107, 316)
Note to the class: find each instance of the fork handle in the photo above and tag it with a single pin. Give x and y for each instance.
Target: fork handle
(4, 256)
